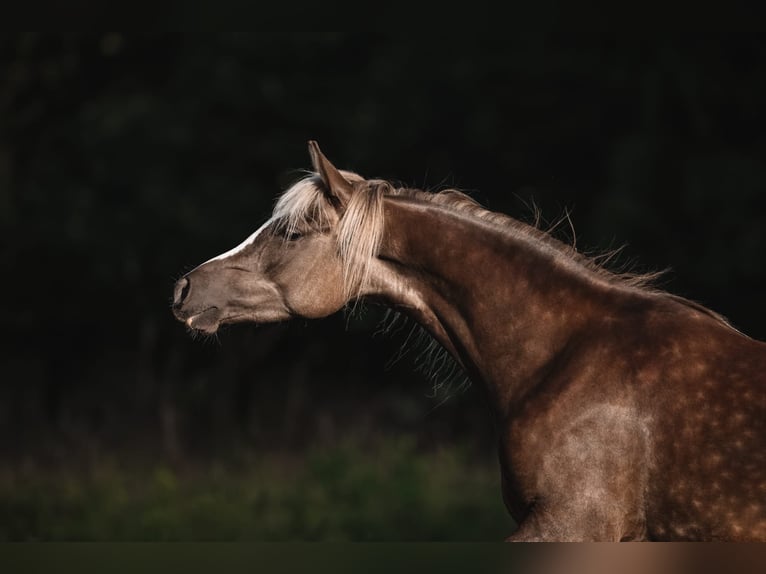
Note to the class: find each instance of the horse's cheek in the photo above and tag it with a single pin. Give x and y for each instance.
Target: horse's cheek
(315, 295)
(312, 304)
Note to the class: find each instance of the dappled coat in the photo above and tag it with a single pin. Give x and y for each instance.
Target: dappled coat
(623, 412)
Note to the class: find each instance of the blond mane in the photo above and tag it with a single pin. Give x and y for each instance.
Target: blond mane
(359, 230)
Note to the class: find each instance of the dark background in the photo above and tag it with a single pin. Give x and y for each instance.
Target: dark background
(126, 160)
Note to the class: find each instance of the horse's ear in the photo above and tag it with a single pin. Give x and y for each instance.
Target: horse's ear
(336, 185)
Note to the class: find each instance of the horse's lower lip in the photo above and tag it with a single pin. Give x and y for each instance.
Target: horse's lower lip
(206, 320)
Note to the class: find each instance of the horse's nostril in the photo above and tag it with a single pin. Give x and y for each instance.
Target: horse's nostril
(181, 291)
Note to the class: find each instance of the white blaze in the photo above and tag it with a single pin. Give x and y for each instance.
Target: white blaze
(242, 245)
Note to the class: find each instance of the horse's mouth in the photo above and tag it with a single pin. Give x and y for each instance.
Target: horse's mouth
(206, 321)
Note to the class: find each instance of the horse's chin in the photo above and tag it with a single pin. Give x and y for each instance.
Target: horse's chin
(209, 320)
(206, 322)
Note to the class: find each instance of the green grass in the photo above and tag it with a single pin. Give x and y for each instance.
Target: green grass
(349, 492)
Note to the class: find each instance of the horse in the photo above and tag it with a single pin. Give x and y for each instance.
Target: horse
(623, 412)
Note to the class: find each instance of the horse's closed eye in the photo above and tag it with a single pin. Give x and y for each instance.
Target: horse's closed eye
(293, 236)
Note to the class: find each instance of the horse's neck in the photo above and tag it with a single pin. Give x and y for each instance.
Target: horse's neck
(503, 305)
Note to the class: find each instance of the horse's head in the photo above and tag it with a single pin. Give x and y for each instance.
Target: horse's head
(299, 263)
